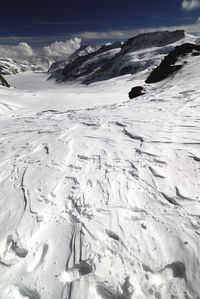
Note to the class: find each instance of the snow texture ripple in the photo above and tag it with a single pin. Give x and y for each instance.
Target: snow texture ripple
(103, 202)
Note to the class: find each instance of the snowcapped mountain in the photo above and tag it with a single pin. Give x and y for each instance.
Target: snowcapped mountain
(9, 66)
(78, 66)
(100, 195)
(152, 39)
(137, 54)
(82, 51)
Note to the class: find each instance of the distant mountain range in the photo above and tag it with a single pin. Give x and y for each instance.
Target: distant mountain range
(9, 66)
(92, 63)
(141, 53)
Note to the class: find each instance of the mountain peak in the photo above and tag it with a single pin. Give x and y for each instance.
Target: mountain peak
(152, 39)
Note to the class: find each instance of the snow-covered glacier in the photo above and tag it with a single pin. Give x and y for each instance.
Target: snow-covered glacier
(99, 194)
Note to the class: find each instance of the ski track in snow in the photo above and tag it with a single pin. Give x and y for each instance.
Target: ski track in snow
(104, 202)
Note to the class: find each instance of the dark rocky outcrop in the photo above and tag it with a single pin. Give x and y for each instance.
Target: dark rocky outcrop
(136, 92)
(167, 66)
(3, 81)
(196, 54)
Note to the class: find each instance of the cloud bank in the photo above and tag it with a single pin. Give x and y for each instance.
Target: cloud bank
(22, 50)
(62, 48)
(193, 28)
(25, 51)
(190, 4)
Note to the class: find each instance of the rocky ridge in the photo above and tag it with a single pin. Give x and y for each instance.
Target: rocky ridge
(116, 60)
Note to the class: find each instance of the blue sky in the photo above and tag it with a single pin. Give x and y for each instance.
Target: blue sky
(42, 22)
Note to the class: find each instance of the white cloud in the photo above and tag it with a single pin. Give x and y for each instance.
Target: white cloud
(190, 4)
(62, 48)
(193, 28)
(25, 51)
(22, 50)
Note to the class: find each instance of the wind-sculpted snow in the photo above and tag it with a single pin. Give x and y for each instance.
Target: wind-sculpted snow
(104, 202)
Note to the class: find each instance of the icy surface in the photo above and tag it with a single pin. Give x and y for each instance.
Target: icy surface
(100, 202)
(33, 92)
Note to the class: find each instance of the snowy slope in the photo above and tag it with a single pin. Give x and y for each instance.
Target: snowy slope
(102, 202)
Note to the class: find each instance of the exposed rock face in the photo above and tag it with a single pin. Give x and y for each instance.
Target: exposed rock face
(3, 82)
(167, 67)
(136, 92)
